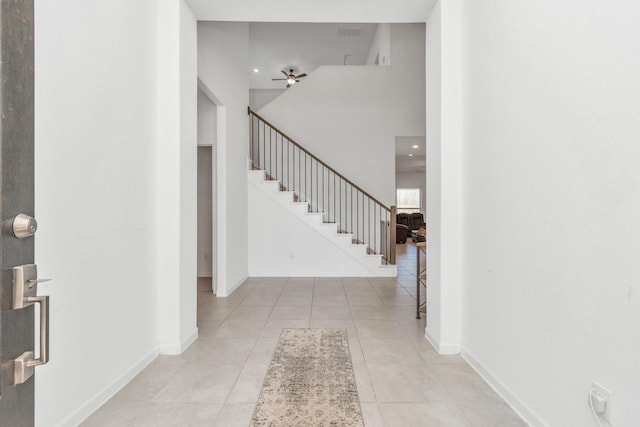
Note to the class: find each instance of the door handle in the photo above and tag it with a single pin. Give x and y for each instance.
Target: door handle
(25, 288)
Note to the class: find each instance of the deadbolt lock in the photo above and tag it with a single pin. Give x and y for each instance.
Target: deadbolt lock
(24, 226)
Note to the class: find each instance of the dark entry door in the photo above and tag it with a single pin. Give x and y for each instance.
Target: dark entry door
(16, 197)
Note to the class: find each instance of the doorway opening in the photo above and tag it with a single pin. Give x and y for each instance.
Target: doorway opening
(207, 203)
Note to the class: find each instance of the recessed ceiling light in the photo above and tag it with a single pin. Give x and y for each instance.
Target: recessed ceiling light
(415, 146)
(410, 155)
(255, 70)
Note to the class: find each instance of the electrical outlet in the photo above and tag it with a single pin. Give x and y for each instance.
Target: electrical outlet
(606, 415)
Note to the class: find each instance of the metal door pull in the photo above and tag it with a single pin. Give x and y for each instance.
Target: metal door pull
(25, 288)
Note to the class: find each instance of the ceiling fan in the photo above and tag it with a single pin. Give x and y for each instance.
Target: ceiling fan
(291, 78)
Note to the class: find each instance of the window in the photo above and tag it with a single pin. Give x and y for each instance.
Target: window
(408, 200)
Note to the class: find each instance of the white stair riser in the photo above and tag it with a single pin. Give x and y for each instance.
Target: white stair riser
(373, 263)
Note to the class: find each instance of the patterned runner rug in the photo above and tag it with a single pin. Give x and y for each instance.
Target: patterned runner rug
(310, 382)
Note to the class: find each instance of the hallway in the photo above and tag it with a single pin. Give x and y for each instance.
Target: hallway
(402, 381)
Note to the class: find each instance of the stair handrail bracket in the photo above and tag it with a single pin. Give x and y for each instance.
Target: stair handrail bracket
(324, 189)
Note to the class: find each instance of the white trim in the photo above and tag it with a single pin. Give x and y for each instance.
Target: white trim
(87, 408)
(230, 290)
(442, 348)
(174, 349)
(517, 404)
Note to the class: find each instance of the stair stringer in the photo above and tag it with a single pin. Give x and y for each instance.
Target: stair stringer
(352, 258)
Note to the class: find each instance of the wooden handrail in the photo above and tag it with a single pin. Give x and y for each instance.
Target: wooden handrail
(291, 140)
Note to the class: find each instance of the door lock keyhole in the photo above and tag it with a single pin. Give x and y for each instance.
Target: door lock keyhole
(24, 226)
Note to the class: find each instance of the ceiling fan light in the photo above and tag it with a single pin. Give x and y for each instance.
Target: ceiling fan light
(291, 80)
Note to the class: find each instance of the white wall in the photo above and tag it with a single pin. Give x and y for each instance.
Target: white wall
(444, 177)
(337, 116)
(223, 49)
(314, 11)
(414, 180)
(283, 245)
(258, 98)
(96, 195)
(552, 299)
(341, 113)
(408, 101)
(381, 46)
(207, 118)
(176, 171)
(188, 175)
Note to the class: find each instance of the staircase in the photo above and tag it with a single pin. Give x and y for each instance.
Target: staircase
(356, 231)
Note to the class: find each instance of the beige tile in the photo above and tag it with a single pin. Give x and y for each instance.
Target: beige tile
(260, 299)
(207, 329)
(298, 300)
(263, 350)
(297, 290)
(328, 282)
(151, 380)
(240, 328)
(330, 312)
(365, 389)
(251, 312)
(355, 350)
(491, 415)
(192, 383)
(216, 313)
(364, 300)
(398, 300)
(234, 415)
(331, 300)
(291, 312)
(177, 415)
(367, 292)
(439, 414)
(404, 383)
(300, 281)
(249, 383)
(355, 282)
(274, 327)
(390, 350)
(336, 324)
(391, 291)
(377, 328)
(372, 313)
(217, 350)
(371, 415)
(115, 414)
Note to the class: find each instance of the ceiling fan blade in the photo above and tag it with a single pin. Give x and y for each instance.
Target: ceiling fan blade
(285, 73)
(288, 85)
(297, 81)
(301, 75)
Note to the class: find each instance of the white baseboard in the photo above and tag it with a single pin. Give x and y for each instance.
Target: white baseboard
(520, 407)
(442, 347)
(87, 408)
(174, 349)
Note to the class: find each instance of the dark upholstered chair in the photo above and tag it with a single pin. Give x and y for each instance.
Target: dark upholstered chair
(402, 233)
(416, 221)
(403, 218)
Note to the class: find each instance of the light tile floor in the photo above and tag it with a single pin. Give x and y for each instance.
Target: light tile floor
(402, 381)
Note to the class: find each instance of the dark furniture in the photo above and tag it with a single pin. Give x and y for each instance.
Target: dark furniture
(402, 233)
(414, 222)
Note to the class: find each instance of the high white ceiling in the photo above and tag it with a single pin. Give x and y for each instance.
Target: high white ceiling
(303, 48)
(417, 162)
(392, 11)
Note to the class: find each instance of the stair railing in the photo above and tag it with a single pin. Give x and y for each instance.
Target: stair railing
(325, 190)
